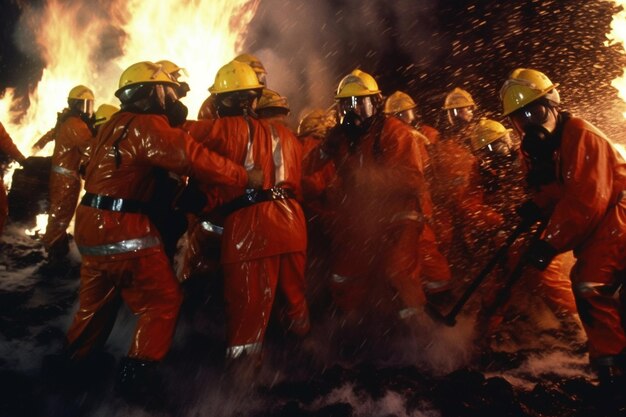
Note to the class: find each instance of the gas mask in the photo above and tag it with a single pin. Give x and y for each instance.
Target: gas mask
(536, 122)
(354, 111)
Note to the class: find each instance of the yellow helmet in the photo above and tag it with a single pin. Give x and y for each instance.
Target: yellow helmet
(104, 113)
(398, 102)
(525, 86)
(457, 99)
(317, 123)
(80, 92)
(253, 61)
(171, 68)
(270, 98)
(143, 73)
(486, 132)
(235, 76)
(357, 84)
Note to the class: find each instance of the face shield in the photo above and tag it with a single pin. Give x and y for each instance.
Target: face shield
(408, 117)
(460, 116)
(364, 107)
(85, 107)
(533, 115)
(496, 154)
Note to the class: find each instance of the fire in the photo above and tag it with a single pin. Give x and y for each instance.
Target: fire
(617, 35)
(91, 43)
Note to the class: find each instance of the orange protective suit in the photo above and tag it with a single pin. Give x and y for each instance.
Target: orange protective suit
(264, 244)
(490, 205)
(122, 251)
(378, 219)
(436, 275)
(72, 137)
(453, 165)
(590, 219)
(7, 147)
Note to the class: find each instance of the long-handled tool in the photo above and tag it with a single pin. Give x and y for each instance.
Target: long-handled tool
(450, 318)
(504, 293)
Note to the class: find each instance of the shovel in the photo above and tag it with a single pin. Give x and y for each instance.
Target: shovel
(450, 318)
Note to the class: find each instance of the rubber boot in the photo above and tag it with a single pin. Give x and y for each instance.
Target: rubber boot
(138, 382)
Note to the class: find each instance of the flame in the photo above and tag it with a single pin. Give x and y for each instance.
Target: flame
(40, 226)
(617, 35)
(92, 42)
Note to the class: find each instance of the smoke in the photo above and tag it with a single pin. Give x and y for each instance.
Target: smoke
(307, 47)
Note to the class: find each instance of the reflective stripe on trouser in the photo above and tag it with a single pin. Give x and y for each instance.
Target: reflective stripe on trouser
(123, 246)
(64, 192)
(146, 284)
(249, 290)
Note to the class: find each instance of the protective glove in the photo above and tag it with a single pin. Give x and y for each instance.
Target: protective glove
(530, 212)
(29, 163)
(539, 254)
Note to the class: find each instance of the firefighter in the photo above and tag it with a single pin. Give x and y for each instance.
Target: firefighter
(499, 188)
(378, 215)
(73, 133)
(272, 107)
(580, 180)
(122, 253)
(264, 236)
(436, 273)
(452, 162)
(103, 114)
(10, 151)
(208, 110)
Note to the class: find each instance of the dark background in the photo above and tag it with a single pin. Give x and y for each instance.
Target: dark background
(422, 47)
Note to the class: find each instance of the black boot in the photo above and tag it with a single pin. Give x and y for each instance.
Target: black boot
(611, 389)
(138, 382)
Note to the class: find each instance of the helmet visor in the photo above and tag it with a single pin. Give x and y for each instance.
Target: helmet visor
(533, 114)
(362, 106)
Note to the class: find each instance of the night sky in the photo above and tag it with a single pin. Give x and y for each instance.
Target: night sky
(423, 47)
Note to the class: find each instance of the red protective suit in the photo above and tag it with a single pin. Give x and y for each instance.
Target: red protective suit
(453, 164)
(590, 218)
(490, 205)
(378, 219)
(8, 147)
(72, 137)
(207, 109)
(264, 244)
(122, 252)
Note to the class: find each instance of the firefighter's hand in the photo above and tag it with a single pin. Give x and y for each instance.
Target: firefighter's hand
(255, 178)
(540, 254)
(530, 212)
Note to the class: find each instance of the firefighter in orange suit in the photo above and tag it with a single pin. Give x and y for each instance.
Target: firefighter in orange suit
(208, 110)
(378, 214)
(264, 237)
(498, 189)
(587, 214)
(452, 168)
(122, 253)
(10, 150)
(436, 274)
(72, 136)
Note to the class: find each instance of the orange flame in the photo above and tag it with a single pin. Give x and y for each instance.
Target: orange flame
(75, 43)
(617, 35)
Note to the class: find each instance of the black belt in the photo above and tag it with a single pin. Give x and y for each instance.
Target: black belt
(252, 197)
(104, 202)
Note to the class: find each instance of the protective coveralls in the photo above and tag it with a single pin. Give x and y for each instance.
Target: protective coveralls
(10, 150)
(263, 244)
(378, 219)
(590, 219)
(71, 139)
(121, 249)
